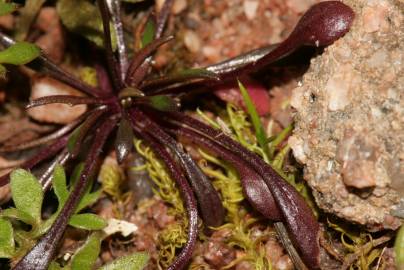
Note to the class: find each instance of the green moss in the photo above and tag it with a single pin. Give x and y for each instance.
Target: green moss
(172, 238)
(360, 252)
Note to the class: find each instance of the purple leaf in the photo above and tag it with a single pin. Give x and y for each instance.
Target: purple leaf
(65, 99)
(254, 187)
(211, 207)
(40, 256)
(297, 215)
(175, 171)
(124, 140)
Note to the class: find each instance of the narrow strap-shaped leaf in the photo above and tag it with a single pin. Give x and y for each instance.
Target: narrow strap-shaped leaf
(115, 10)
(40, 256)
(181, 76)
(46, 178)
(124, 140)
(241, 60)
(255, 119)
(148, 32)
(65, 99)
(45, 153)
(139, 57)
(160, 102)
(138, 74)
(55, 135)
(76, 138)
(192, 211)
(399, 248)
(211, 207)
(297, 215)
(162, 18)
(321, 25)
(254, 187)
(113, 64)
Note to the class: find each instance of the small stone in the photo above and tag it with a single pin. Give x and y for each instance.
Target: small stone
(192, 41)
(179, 6)
(250, 8)
(121, 226)
(375, 17)
(338, 89)
(359, 174)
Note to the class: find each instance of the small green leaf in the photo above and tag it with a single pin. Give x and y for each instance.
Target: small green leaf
(59, 185)
(27, 193)
(148, 33)
(6, 8)
(14, 213)
(399, 248)
(19, 54)
(86, 256)
(255, 119)
(136, 261)
(88, 199)
(6, 239)
(162, 103)
(87, 222)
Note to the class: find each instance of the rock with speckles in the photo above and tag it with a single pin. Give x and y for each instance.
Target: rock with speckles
(350, 119)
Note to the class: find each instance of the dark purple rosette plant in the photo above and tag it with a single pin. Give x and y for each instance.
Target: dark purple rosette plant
(130, 102)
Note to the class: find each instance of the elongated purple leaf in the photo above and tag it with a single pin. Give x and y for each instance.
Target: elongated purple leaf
(78, 135)
(124, 140)
(113, 64)
(254, 187)
(40, 256)
(297, 215)
(138, 59)
(45, 153)
(65, 99)
(211, 207)
(141, 71)
(57, 134)
(175, 171)
(321, 25)
(182, 77)
(115, 11)
(163, 17)
(46, 178)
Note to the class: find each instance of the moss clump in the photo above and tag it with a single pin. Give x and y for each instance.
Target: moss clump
(174, 236)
